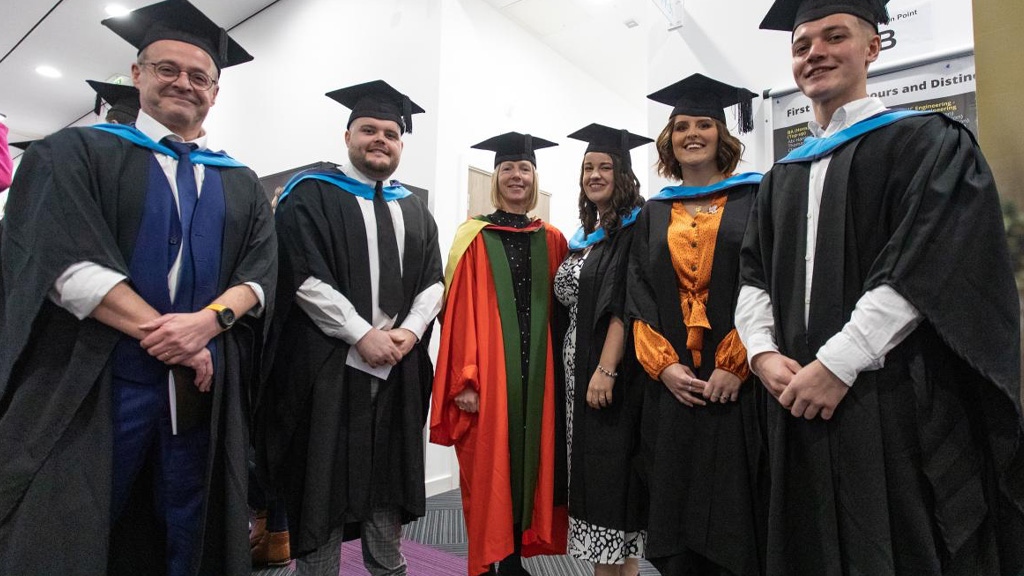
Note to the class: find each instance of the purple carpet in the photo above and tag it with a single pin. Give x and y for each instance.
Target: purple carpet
(422, 560)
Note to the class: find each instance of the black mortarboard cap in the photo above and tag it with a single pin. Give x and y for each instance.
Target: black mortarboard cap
(514, 146)
(698, 95)
(377, 99)
(610, 140)
(787, 15)
(122, 98)
(178, 20)
(24, 144)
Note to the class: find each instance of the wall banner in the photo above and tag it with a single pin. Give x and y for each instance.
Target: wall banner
(946, 86)
(920, 28)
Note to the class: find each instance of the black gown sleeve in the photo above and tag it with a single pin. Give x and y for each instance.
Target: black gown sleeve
(947, 255)
(53, 220)
(257, 261)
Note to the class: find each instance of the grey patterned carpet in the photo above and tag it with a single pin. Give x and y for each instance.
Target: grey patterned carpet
(443, 529)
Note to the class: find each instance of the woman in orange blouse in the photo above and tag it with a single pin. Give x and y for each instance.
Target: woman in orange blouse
(700, 438)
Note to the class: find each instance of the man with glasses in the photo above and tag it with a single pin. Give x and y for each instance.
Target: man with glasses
(127, 255)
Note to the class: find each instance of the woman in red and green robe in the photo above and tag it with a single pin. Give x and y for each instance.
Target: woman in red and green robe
(496, 395)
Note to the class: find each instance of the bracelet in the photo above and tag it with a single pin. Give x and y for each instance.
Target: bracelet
(607, 372)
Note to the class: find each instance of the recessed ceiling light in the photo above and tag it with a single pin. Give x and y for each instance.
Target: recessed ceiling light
(631, 23)
(48, 71)
(116, 10)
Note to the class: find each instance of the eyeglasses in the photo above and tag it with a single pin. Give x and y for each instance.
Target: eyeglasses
(166, 72)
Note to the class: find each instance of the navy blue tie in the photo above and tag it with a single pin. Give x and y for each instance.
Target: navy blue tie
(188, 196)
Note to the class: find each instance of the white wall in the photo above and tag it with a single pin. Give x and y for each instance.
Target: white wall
(496, 77)
(720, 40)
(272, 113)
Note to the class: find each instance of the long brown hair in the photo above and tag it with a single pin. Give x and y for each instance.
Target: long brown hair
(625, 197)
(730, 150)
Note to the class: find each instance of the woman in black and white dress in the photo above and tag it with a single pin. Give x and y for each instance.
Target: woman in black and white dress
(606, 503)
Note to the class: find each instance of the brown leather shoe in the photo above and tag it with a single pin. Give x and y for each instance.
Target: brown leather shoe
(274, 549)
(258, 531)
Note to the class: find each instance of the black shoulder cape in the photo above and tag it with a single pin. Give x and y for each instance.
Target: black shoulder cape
(319, 439)
(79, 196)
(922, 456)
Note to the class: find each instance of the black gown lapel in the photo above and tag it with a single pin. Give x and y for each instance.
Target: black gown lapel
(413, 256)
(357, 255)
(831, 262)
(724, 285)
(789, 211)
(236, 214)
(592, 271)
(665, 282)
(131, 201)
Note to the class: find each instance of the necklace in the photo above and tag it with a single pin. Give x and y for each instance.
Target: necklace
(712, 209)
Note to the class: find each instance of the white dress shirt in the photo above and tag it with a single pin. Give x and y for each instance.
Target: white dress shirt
(335, 315)
(82, 286)
(881, 318)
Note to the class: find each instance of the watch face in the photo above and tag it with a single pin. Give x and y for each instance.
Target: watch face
(226, 317)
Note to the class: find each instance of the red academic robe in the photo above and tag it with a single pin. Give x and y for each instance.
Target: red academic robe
(472, 354)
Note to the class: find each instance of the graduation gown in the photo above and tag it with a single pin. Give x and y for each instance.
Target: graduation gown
(79, 196)
(480, 349)
(922, 458)
(327, 448)
(702, 466)
(604, 482)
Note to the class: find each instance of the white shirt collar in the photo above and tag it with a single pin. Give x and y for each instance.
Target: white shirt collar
(847, 115)
(157, 131)
(350, 170)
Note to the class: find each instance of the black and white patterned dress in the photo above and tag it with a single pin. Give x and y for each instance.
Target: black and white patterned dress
(587, 541)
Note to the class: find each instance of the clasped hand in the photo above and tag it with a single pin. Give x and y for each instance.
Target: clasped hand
(174, 338)
(385, 348)
(723, 386)
(181, 339)
(807, 392)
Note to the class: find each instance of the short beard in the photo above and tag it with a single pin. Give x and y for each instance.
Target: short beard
(359, 161)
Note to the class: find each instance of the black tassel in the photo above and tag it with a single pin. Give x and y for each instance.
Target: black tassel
(745, 114)
(528, 145)
(883, 12)
(222, 49)
(624, 146)
(407, 113)
(99, 105)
